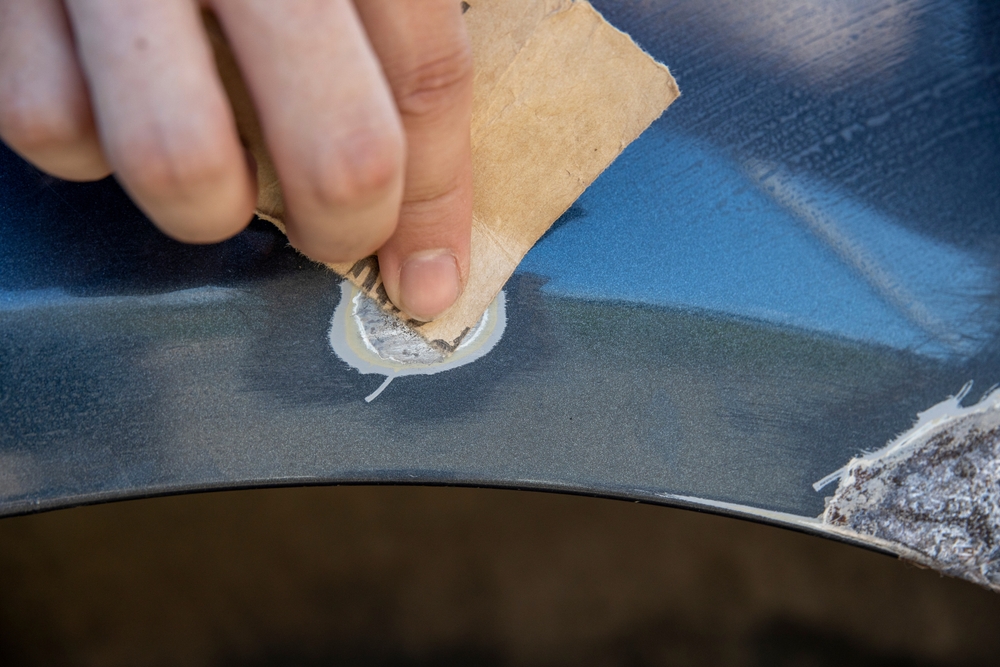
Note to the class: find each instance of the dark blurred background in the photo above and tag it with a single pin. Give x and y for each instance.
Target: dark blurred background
(449, 576)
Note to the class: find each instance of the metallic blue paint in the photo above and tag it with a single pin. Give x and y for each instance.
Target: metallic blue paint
(789, 265)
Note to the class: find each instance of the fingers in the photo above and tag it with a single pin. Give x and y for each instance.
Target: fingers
(426, 56)
(337, 122)
(44, 108)
(328, 119)
(163, 118)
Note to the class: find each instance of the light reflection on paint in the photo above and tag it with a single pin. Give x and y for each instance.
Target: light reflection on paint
(705, 233)
(13, 301)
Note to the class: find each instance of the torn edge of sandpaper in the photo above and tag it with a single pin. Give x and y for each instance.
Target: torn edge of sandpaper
(932, 495)
(558, 93)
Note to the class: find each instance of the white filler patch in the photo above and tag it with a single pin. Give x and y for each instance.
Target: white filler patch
(373, 341)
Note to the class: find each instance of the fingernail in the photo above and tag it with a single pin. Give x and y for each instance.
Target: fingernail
(429, 283)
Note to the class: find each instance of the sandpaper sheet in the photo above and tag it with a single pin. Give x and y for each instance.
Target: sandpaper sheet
(558, 94)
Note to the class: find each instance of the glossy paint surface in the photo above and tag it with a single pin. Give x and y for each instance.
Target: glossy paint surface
(798, 257)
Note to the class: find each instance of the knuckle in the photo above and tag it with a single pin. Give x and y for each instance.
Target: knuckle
(435, 82)
(361, 167)
(183, 169)
(32, 128)
(347, 239)
(342, 248)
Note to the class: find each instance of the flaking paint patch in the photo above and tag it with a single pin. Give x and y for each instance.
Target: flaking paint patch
(372, 340)
(932, 495)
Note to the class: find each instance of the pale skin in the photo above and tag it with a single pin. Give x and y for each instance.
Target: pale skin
(365, 108)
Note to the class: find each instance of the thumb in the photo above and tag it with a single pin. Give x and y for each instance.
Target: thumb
(427, 60)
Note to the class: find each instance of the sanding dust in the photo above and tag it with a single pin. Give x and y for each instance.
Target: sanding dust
(371, 340)
(933, 492)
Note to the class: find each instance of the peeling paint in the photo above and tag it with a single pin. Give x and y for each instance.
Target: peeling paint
(932, 495)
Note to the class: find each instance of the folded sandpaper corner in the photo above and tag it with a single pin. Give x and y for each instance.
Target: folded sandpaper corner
(558, 95)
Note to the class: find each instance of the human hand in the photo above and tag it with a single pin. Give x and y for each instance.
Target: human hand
(365, 107)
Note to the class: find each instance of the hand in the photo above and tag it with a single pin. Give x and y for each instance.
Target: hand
(365, 108)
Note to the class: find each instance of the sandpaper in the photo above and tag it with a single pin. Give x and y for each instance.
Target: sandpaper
(558, 95)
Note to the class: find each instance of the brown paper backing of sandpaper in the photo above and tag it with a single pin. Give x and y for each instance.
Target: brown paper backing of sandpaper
(558, 94)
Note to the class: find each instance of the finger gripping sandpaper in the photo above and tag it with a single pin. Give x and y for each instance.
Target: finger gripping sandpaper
(558, 94)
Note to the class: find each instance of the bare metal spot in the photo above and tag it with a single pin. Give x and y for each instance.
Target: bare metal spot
(373, 340)
(390, 338)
